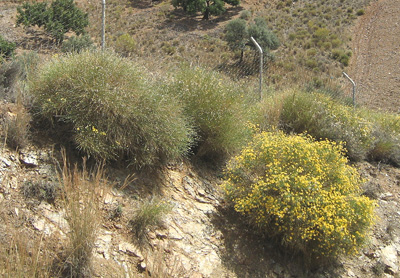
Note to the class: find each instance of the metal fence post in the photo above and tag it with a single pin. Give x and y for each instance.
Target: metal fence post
(354, 87)
(103, 26)
(261, 63)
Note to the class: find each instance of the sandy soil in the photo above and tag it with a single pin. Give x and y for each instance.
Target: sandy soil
(376, 48)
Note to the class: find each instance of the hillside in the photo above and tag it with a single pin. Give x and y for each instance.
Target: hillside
(199, 234)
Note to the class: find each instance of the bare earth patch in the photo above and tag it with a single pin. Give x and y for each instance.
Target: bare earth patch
(376, 47)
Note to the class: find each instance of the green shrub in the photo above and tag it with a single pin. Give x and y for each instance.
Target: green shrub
(246, 15)
(341, 56)
(149, 215)
(218, 110)
(125, 44)
(360, 12)
(386, 135)
(322, 117)
(6, 48)
(302, 191)
(111, 109)
(61, 17)
(76, 44)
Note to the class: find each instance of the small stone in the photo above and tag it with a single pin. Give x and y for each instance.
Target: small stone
(350, 273)
(130, 249)
(42, 226)
(201, 192)
(6, 162)
(118, 226)
(29, 159)
(108, 199)
(161, 235)
(142, 266)
(386, 196)
(389, 258)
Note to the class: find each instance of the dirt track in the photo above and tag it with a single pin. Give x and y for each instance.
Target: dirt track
(376, 62)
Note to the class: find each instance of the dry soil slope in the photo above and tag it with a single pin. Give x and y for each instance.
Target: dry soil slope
(375, 66)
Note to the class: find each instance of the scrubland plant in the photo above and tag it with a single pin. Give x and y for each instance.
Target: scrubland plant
(149, 215)
(301, 191)
(386, 135)
(112, 109)
(365, 134)
(7, 48)
(218, 110)
(322, 117)
(77, 44)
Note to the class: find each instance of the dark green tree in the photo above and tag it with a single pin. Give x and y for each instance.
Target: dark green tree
(61, 17)
(206, 7)
(238, 33)
(6, 48)
(265, 38)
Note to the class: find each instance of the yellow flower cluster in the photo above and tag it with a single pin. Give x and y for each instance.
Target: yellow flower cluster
(301, 190)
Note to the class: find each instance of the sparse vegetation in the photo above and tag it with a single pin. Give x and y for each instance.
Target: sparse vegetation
(24, 257)
(76, 44)
(148, 216)
(41, 190)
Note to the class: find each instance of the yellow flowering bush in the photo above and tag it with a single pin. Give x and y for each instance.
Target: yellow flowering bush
(302, 191)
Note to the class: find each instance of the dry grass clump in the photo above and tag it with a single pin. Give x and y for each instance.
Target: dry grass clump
(22, 256)
(80, 198)
(15, 126)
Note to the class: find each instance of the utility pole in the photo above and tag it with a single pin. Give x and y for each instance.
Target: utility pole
(103, 26)
(354, 87)
(261, 63)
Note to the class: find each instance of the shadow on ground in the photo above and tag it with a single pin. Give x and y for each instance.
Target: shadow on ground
(249, 254)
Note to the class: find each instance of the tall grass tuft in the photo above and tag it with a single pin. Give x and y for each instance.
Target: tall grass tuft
(15, 126)
(219, 110)
(112, 109)
(322, 117)
(81, 192)
(386, 135)
(149, 215)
